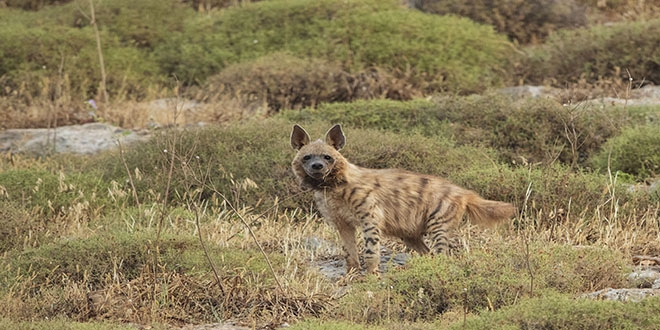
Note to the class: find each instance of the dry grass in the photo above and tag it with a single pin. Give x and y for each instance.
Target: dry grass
(161, 292)
(124, 256)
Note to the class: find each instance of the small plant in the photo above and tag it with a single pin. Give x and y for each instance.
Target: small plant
(636, 151)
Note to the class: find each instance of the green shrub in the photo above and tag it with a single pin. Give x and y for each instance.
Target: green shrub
(17, 228)
(316, 324)
(635, 151)
(488, 277)
(53, 194)
(90, 261)
(52, 61)
(529, 130)
(281, 81)
(141, 24)
(432, 52)
(212, 159)
(61, 324)
(32, 4)
(414, 116)
(525, 21)
(595, 53)
(565, 312)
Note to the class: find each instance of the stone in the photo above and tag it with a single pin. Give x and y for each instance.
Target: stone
(83, 139)
(643, 277)
(626, 295)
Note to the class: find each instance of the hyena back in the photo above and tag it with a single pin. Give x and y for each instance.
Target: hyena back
(388, 202)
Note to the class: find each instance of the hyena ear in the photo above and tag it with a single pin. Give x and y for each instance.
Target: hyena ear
(335, 137)
(299, 137)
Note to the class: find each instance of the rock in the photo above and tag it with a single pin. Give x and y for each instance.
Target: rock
(648, 92)
(628, 295)
(335, 268)
(78, 139)
(525, 91)
(644, 277)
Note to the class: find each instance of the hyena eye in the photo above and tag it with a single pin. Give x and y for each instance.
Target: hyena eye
(306, 158)
(327, 157)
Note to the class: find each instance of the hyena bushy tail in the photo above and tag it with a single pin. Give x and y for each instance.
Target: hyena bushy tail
(486, 212)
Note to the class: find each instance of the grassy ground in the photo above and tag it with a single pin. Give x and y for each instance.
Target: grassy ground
(204, 225)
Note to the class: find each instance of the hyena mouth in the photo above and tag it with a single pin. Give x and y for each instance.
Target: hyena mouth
(317, 175)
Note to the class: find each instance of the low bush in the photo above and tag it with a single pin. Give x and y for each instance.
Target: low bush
(595, 53)
(18, 228)
(32, 4)
(554, 311)
(524, 131)
(431, 52)
(52, 61)
(134, 277)
(414, 116)
(524, 21)
(489, 277)
(635, 151)
(140, 24)
(281, 81)
(54, 194)
(127, 256)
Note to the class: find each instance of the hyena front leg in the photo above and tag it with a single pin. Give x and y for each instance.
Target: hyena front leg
(347, 234)
(371, 235)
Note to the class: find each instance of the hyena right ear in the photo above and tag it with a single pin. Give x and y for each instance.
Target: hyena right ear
(299, 137)
(335, 137)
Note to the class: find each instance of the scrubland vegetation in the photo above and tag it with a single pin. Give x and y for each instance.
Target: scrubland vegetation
(204, 225)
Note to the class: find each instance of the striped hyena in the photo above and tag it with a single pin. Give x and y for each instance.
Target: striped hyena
(384, 201)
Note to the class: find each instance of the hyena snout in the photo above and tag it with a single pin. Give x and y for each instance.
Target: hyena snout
(317, 167)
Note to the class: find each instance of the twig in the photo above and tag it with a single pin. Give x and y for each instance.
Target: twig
(99, 49)
(206, 252)
(247, 226)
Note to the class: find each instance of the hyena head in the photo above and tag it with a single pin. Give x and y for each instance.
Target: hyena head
(319, 164)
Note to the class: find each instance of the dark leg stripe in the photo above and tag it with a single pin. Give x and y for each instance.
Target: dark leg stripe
(369, 229)
(371, 240)
(350, 196)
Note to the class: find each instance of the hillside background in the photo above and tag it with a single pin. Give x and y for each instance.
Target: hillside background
(551, 105)
(260, 57)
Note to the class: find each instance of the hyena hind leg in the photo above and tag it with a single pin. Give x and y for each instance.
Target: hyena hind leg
(417, 244)
(441, 227)
(442, 235)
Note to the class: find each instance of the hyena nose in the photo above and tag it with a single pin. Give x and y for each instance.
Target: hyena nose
(317, 166)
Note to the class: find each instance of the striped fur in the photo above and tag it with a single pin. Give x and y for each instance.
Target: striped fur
(388, 202)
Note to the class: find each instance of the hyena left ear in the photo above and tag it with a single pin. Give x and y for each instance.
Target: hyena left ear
(299, 137)
(335, 137)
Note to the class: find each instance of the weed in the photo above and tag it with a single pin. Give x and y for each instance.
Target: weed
(564, 312)
(636, 151)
